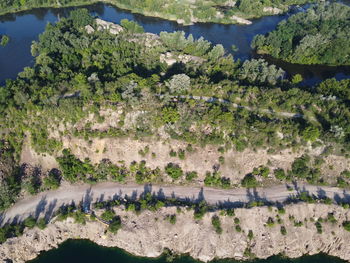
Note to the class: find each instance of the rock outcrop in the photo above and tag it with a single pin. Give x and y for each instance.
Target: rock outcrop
(149, 233)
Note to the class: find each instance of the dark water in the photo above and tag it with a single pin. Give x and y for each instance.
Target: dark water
(83, 251)
(25, 27)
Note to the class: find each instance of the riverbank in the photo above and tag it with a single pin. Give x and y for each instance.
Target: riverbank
(186, 17)
(149, 233)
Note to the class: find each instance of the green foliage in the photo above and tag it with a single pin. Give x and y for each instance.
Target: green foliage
(249, 181)
(80, 17)
(108, 215)
(41, 223)
(346, 225)
(270, 222)
(311, 134)
(171, 219)
(115, 225)
(215, 221)
(4, 40)
(53, 180)
(190, 176)
(262, 171)
(283, 230)
(131, 26)
(199, 210)
(215, 179)
(174, 171)
(74, 169)
(318, 36)
(319, 227)
(169, 115)
(79, 217)
(250, 235)
(30, 222)
(280, 174)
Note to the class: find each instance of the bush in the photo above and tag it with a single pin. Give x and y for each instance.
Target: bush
(171, 219)
(318, 227)
(41, 223)
(346, 225)
(30, 222)
(174, 171)
(250, 235)
(190, 176)
(249, 181)
(115, 225)
(280, 174)
(238, 228)
(270, 222)
(215, 221)
(216, 180)
(108, 215)
(283, 230)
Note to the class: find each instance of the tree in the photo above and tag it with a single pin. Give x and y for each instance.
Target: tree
(249, 181)
(174, 171)
(311, 133)
(179, 83)
(115, 225)
(81, 17)
(131, 26)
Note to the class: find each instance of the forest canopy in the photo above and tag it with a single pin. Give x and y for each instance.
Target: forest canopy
(319, 36)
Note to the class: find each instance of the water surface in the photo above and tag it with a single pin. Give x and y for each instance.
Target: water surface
(84, 251)
(25, 27)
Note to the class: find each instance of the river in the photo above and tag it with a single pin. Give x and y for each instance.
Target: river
(24, 27)
(83, 251)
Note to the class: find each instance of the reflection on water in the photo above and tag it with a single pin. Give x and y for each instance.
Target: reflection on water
(83, 251)
(25, 27)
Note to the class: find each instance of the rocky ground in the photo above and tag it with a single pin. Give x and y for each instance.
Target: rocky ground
(149, 233)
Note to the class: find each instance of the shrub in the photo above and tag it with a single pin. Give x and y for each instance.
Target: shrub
(250, 235)
(41, 223)
(270, 222)
(238, 228)
(181, 154)
(215, 221)
(30, 222)
(216, 180)
(115, 225)
(346, 225)
(171, 219)
(190, 176)
(279, 174)
(283, 230)
(249, 181)
(318, 227)
(108, 215)
(174, 171)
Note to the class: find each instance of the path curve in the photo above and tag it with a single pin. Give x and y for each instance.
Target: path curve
(45, 203)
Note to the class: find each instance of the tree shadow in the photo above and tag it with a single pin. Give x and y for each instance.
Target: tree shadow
(87, 199)
(40, 208)
(50, 210)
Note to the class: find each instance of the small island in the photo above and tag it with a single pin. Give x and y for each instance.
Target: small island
(4, 40)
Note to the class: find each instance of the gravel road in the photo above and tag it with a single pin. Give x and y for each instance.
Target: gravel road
(45, 203)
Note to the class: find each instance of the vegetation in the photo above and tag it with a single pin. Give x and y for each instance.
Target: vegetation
(4, 40)
(319, 36)
(79, 74)
(249, 181)
(215, 221)
(215, 179)
(203, 11)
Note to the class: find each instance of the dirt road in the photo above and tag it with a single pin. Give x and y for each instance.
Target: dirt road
(44, 204)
